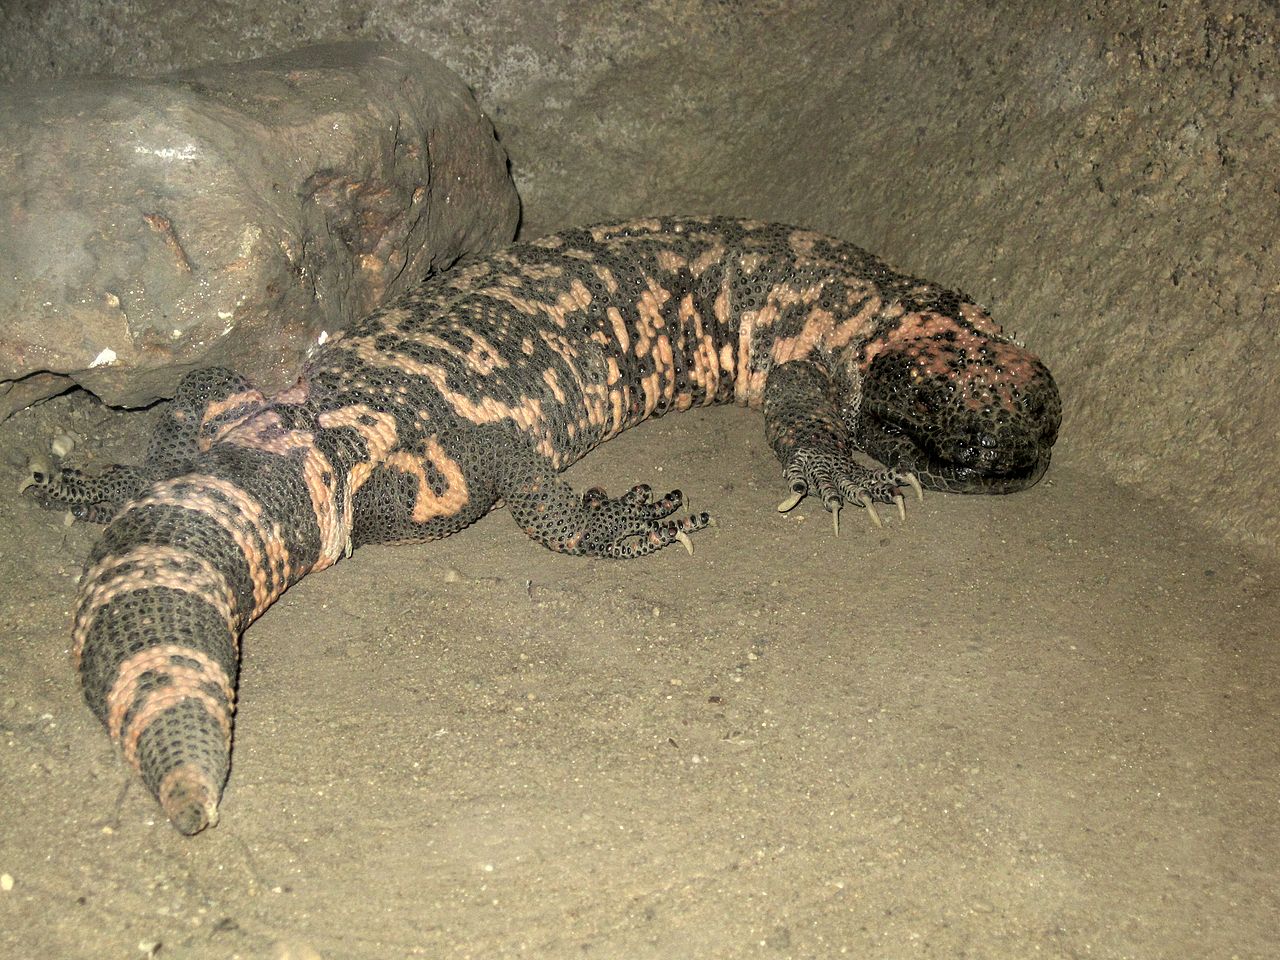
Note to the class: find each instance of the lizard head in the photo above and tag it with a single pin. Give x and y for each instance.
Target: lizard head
(965, 409)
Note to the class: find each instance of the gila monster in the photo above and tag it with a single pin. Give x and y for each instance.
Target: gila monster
(481, 385)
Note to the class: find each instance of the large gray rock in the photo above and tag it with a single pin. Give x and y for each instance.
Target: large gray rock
(234, 214)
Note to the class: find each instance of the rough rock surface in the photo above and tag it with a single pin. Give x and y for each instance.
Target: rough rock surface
(232, 214)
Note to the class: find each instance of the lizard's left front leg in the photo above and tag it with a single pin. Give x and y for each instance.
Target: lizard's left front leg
(804, 426)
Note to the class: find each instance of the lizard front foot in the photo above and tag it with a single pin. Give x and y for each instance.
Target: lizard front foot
(635, 524)
(838, 480)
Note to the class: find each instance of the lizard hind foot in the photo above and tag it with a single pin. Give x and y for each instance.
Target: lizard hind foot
(93, 499)
(55, 487)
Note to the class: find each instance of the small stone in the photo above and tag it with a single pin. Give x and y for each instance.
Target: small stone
(294, 950)
(62, 445)
(6, 882)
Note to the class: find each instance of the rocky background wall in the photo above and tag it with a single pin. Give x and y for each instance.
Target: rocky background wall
(1104, 175)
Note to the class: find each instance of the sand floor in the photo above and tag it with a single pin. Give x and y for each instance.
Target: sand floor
(1038, 725)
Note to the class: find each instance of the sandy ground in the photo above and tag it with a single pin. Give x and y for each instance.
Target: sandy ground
(1039, 725)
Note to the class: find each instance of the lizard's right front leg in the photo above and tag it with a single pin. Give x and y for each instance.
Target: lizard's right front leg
(803, 424)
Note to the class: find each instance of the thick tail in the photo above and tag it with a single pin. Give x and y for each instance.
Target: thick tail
(172, 584)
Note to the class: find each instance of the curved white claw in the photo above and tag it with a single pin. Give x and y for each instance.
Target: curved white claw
(685, 541)
(791, 501)
(835, 518)
(871, 510)
(915, 485)
(901, 505)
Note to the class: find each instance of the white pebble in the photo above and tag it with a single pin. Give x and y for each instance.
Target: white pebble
(294, 950)
(62, 444)
(6, 882)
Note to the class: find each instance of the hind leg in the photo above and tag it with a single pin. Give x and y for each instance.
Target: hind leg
(206, 402)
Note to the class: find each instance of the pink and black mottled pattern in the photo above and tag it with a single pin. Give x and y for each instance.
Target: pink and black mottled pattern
(481, 385)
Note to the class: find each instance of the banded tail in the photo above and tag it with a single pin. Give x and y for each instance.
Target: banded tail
(177, 576)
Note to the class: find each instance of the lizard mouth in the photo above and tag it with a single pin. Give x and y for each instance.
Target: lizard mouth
(978, 463)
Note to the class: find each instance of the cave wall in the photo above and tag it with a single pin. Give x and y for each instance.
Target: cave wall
(1103, 175)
